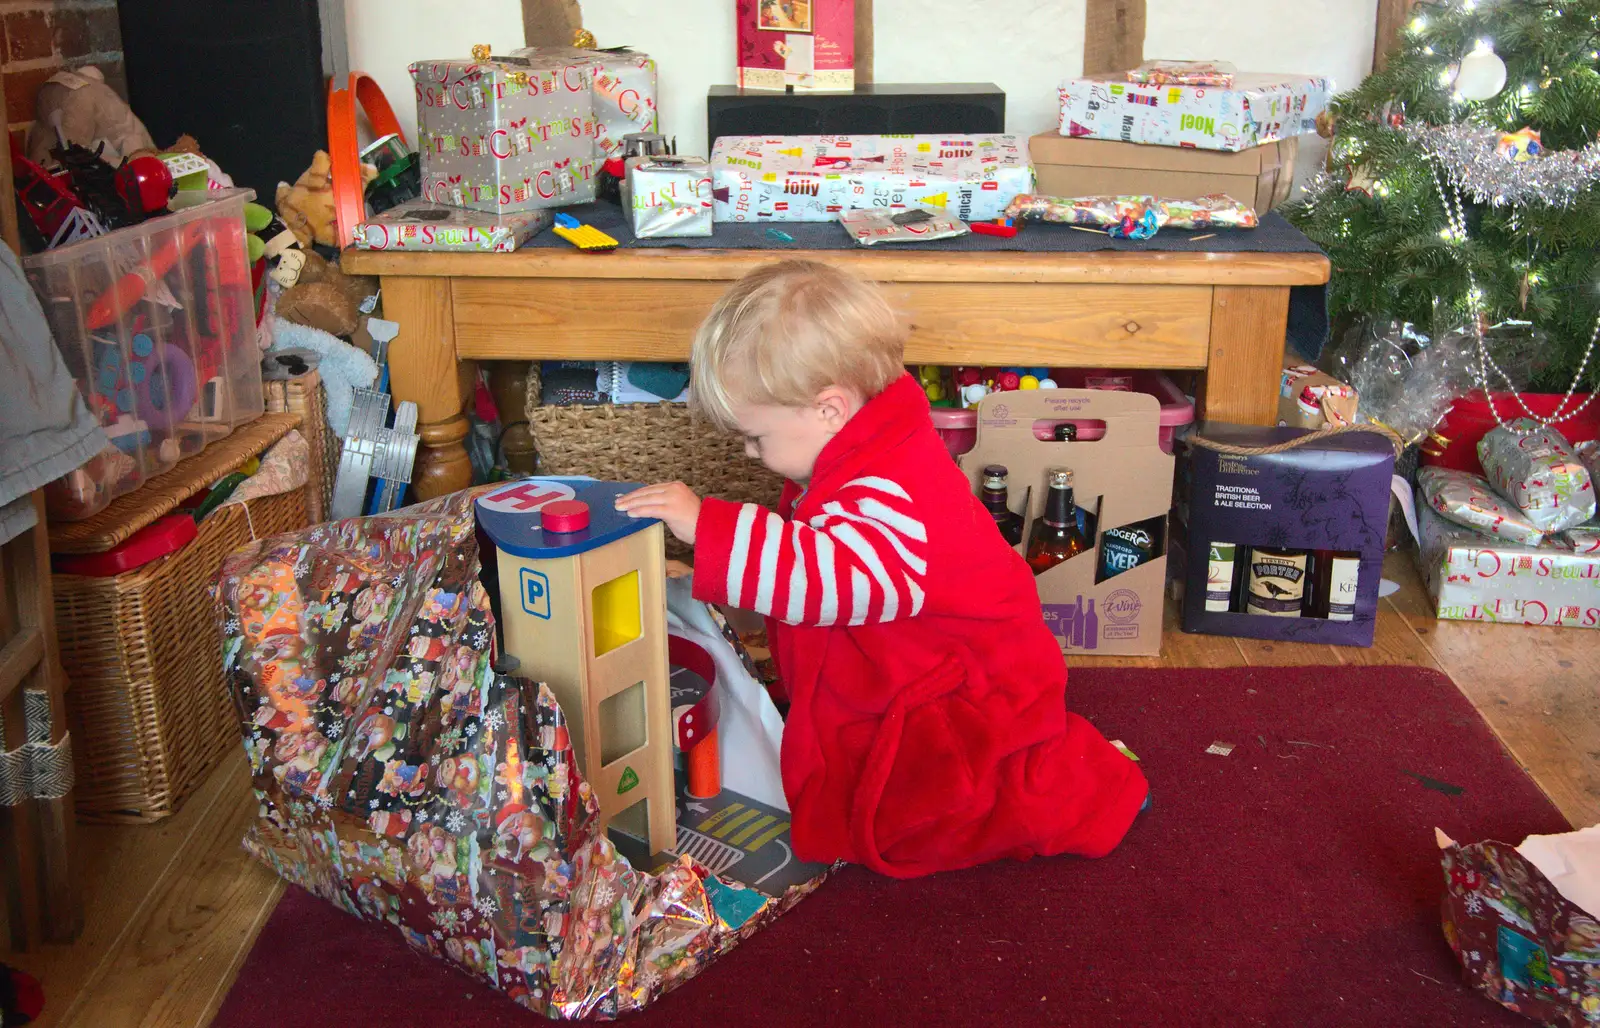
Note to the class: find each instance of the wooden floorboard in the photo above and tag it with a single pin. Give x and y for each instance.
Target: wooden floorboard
(171, 909)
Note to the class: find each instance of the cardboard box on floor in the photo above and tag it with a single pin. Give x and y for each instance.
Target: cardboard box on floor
(1262, 175)
(1122, 477)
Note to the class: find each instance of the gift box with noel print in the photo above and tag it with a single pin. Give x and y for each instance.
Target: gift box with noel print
(813, 178)
(507, 134)
(1255, 110)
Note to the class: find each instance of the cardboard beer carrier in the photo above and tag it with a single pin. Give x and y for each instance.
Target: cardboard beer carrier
(1121, 478)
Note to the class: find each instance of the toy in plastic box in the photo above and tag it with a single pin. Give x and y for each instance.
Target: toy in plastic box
(157, 324)
(959, 428)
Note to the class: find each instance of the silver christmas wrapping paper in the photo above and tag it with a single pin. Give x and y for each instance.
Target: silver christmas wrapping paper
(507, 134)
(1539, 470)
(668, 197)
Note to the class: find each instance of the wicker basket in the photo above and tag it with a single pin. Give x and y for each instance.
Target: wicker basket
(304, 395)
(645, 442)
(151, 717)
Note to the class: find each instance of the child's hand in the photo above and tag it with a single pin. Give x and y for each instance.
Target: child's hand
(673, 503)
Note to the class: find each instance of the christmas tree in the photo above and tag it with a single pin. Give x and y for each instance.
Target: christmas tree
(1441, 125)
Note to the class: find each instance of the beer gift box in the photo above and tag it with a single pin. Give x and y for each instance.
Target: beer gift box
(507, 134)
(813, 178)
(1476, 577)
(1255, 110)
(1284, 545)
(1108, 599)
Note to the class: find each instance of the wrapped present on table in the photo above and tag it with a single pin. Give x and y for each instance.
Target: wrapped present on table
(624, 88)
(507, 134)
(813, 178)
(668, 196)
(1256, 109)
(424, 225)
(1475, 577)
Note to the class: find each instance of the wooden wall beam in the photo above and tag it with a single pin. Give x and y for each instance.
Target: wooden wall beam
(1392, 18)
(551, 22)
(863, 42)
(1113, 36)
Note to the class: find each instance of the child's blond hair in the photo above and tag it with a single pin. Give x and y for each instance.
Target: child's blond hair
(789, 330)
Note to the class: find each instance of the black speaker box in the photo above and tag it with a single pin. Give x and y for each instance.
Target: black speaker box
(944, 108)
(243, 78)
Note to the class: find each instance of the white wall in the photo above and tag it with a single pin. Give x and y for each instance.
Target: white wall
(1026, 46)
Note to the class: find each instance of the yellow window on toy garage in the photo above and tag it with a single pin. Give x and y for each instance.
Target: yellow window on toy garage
(614, 612)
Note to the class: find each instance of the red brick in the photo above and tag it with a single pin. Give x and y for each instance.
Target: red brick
(21, 89)
(28, 36)
(72, 34)
(105, 31)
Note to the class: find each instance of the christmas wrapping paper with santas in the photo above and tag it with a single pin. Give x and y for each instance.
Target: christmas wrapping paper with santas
(1256, 109)
(813, 178)
(624, 90)
(404, 778)
(1521, 943)
(507, 134)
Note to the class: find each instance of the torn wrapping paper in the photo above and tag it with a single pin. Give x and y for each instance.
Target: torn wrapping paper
(406, 778)
(1476, 577)
(914, 225)
(1538, 469)
(813, 178)
(1256, 109)
(1520, 942)
(424, 225)
(507, 134)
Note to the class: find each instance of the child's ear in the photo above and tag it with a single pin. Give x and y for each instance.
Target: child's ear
(836, 406)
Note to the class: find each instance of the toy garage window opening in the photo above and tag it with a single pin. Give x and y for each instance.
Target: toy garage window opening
(615, 613)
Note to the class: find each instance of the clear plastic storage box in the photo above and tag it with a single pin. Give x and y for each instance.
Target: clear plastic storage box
(157, 322)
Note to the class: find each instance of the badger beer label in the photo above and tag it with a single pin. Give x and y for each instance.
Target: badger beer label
(1277, 583)
(1219, 577)
(1123, 549)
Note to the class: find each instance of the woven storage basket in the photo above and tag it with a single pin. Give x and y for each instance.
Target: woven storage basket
(304, 395)
(151, 717)
(649, 442)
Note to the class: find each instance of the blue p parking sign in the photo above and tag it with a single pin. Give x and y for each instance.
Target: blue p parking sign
(535, 593)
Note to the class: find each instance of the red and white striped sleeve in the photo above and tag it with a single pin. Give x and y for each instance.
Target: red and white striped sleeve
(862, 559)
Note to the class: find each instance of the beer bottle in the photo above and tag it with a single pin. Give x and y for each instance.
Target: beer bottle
(1337, 576)
(1125, 548)
(1056, 536)
(1066, 432)
(996, 497)
(1276, 582)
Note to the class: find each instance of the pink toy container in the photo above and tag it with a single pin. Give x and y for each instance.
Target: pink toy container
(959, 428)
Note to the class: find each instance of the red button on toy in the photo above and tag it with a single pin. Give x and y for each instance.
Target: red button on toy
(564, 516)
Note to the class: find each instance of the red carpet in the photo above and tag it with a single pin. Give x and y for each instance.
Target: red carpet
(1293, 882)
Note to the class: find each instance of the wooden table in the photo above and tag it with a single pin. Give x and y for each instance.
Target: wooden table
(1224, 314)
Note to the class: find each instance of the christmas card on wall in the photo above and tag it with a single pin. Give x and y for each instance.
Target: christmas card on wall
(799, 44)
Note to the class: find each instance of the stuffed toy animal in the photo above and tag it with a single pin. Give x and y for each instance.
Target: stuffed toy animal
(307, 206)
(88, 112)
(325, 297)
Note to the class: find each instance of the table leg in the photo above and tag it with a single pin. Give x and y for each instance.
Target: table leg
(1248, 327)
(423, 368)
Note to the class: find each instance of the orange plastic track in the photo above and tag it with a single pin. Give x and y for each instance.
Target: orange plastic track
(344, 147)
